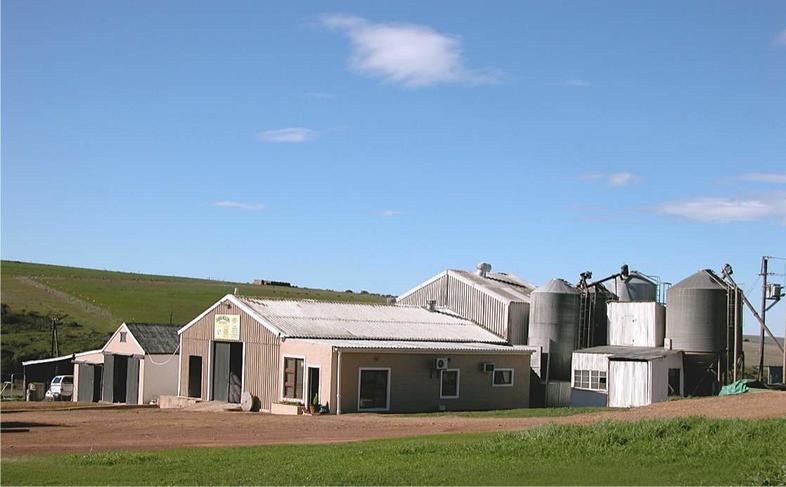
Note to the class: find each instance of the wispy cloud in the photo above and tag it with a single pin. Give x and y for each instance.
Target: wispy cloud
(575, 83)
(771, 205)
(764, 177)
(290, 135)
(780, 39)
(240, 205)
(388, 213)
(406, 54)
(615, 179)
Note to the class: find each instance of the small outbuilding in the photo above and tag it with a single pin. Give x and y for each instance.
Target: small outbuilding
(140, 364)
(348, 358)
(41, 372)
(620, 376)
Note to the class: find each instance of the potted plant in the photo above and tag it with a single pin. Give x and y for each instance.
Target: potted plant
(314, 406)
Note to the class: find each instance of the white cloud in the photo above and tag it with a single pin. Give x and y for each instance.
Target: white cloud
(575, 83)
(770, 205)
(765, 177)
(388, 213)
(780, 39)
(287, 135)
(616, 179)
(239, 204)
(405, 54)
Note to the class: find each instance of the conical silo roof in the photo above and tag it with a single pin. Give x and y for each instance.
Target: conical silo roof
(556, 286)
(703, 279)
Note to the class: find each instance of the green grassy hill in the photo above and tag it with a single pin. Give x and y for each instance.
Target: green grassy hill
(92, 303)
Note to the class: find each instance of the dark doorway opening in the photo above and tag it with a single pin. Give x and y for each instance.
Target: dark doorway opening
(674, 382)
(227, 371)
(119, 378)
(313, 385)
(194, 376)
(98, 375)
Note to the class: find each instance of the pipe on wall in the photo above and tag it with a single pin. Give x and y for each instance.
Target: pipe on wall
(338, 384)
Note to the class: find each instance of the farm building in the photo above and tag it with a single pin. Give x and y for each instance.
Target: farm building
(41, 372)
(352, 357)
(496, 301)
(136, 366)
(619, 376)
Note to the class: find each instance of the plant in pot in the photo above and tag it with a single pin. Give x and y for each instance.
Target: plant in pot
(314, 406)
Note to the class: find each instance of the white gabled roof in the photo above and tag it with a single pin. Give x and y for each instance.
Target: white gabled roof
(313, 319)
(349, 321)
(421, 346)
(504, 287)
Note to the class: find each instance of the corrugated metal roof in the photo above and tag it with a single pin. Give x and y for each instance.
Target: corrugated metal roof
(496, 283)
(155, 338)
(421, 345)
(312, 319)
(630, 353)
(557, 286)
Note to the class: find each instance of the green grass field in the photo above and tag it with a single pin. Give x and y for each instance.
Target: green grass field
(688, 451)
(97, 301)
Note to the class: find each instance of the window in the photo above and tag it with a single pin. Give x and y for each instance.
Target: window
(374, 389)
(590, 379)
(293, 378)
(68, 380)
(123, 337)
(449, 384)
(502, 378)
(56, 380)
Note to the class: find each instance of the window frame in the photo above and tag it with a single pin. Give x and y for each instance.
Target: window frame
(284, 397)
(502, 369)
(458, 383)
(584, 379)
(387, 402)
(123, 337)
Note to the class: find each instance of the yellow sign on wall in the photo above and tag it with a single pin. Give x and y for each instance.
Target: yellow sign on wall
(227, 327)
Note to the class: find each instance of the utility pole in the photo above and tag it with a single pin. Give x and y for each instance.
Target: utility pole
(764, 274)
(55, 347)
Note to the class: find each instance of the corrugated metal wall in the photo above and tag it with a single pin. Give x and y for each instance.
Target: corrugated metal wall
(636, 324)
(262, 348)
(473, 304)
(518, 323)
(629, 383)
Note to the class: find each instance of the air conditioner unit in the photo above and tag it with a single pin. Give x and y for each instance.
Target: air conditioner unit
(487, 367)
(440, 363)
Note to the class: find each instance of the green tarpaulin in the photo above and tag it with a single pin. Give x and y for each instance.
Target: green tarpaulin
(736, 387)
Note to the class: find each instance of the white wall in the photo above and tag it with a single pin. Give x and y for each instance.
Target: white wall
(629, 383)
(659, 370)
(636, 324)
(156, 380)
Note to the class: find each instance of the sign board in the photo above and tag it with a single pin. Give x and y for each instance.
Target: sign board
(226, 327)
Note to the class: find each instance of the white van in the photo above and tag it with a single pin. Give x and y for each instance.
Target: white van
(61, 388)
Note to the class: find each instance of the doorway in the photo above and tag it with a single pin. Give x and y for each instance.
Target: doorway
(194, 376)
(119, 378)
(227, 371)
(313, 385)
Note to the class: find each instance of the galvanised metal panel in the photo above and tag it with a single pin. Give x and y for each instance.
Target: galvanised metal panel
(518, 323)
(199, 348)
(86, 381)
(697, 313)
(636, 324)
(637, 288)
(132, 382)
(629, 383)
(109, 378)
(220, 375)
(433, 290)
(553, 324)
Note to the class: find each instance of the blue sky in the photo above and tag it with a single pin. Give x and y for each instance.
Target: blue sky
(370, 145)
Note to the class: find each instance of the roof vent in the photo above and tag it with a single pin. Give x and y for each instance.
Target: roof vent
(483, 269)
(431, 305)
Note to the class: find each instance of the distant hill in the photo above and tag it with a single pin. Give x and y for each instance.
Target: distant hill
(92, 303)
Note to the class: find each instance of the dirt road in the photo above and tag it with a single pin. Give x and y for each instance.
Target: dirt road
(49, 431)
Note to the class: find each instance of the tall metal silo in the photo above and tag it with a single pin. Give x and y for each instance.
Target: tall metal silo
(636, 287)
(697, 321)
(553, 325)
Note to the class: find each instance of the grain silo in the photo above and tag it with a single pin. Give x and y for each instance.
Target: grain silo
(553, 325)
(700, 313)
(634, 287)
